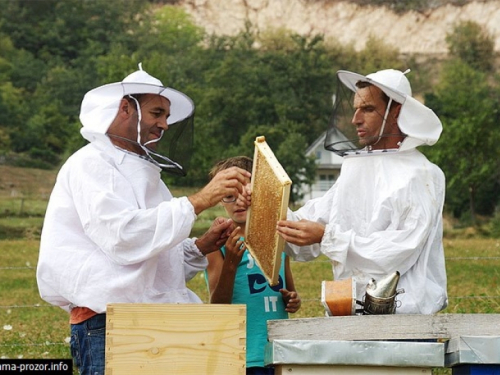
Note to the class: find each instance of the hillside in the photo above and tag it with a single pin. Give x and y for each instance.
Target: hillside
(347, 22)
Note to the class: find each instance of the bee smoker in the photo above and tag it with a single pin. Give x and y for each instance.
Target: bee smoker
(380, 296)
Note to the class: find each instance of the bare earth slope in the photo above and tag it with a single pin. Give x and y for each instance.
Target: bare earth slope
(412, 32)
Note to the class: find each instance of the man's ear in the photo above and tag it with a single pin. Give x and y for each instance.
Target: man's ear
(397, 110)
(124, 107)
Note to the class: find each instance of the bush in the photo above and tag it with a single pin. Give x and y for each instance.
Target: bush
(25, 161)
(495, 225)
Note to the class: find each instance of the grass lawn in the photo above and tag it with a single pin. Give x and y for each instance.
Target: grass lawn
(30, 328)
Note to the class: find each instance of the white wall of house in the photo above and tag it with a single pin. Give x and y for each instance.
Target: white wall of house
(327, 171)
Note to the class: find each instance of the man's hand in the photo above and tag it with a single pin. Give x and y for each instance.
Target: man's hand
(245, 198)
(216, 236)
(228, 182)
(301, 233)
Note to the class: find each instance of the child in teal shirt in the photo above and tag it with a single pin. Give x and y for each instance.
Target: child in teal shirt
(234, 277)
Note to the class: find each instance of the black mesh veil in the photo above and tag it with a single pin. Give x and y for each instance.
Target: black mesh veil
(341, 136)
(173, 152)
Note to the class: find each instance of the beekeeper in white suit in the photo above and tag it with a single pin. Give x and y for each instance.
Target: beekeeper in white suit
(113, 233)
(384, 212)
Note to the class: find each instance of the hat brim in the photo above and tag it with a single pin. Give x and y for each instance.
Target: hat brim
(100, 105)
(349, 79)
(419, 123)
(108, 97)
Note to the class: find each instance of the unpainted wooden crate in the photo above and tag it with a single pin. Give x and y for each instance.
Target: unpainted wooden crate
(175, 339)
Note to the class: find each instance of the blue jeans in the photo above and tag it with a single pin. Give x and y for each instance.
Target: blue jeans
(88, 341)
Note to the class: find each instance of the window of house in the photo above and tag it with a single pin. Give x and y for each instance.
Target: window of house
(326, 181)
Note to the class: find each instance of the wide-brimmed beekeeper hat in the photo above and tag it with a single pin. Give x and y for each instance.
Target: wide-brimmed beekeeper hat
(418, 122)
(100, 105)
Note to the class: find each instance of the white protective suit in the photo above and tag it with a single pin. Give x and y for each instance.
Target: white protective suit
(384, 214)
(112, 230)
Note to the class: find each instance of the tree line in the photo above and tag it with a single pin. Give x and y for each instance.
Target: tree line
(274, 83)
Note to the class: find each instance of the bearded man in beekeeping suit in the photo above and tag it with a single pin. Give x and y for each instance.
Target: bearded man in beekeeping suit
(384, 213)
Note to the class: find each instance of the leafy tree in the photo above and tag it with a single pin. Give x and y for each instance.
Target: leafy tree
(467, 105)
(378, 55)
(6, 48)
(471, 43)
(12, 107)
(46, 130)
(302, 81)
(173, 31)
(244, 87)
(12, 100)
(288, 145)
(468, 150)
(47, 28)
(52, 66)
(26, 70)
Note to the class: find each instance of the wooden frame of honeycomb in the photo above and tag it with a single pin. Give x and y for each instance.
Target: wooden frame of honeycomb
(270, 197)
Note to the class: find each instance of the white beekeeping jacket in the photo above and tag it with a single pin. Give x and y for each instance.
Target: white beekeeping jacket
(114, 233)
(384, 214)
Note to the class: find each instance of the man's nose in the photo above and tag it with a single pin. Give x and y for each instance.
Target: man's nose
(356, 118)
(163, 125)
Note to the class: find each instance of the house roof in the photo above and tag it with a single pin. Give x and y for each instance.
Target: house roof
(334, 160)
(320, 141)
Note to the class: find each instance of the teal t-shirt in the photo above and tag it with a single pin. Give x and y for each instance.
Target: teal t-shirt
(263, 303)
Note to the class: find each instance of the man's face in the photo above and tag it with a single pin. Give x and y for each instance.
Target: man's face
(155, 110)
(370, 107)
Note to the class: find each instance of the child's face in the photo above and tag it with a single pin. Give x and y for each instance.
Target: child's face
(235, 211)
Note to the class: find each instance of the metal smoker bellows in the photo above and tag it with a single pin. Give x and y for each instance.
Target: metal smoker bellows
(380, 296)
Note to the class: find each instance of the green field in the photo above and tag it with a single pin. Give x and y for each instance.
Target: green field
(30, 328)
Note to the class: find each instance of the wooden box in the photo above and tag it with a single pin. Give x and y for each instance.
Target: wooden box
(270, 196)
(175, 339)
